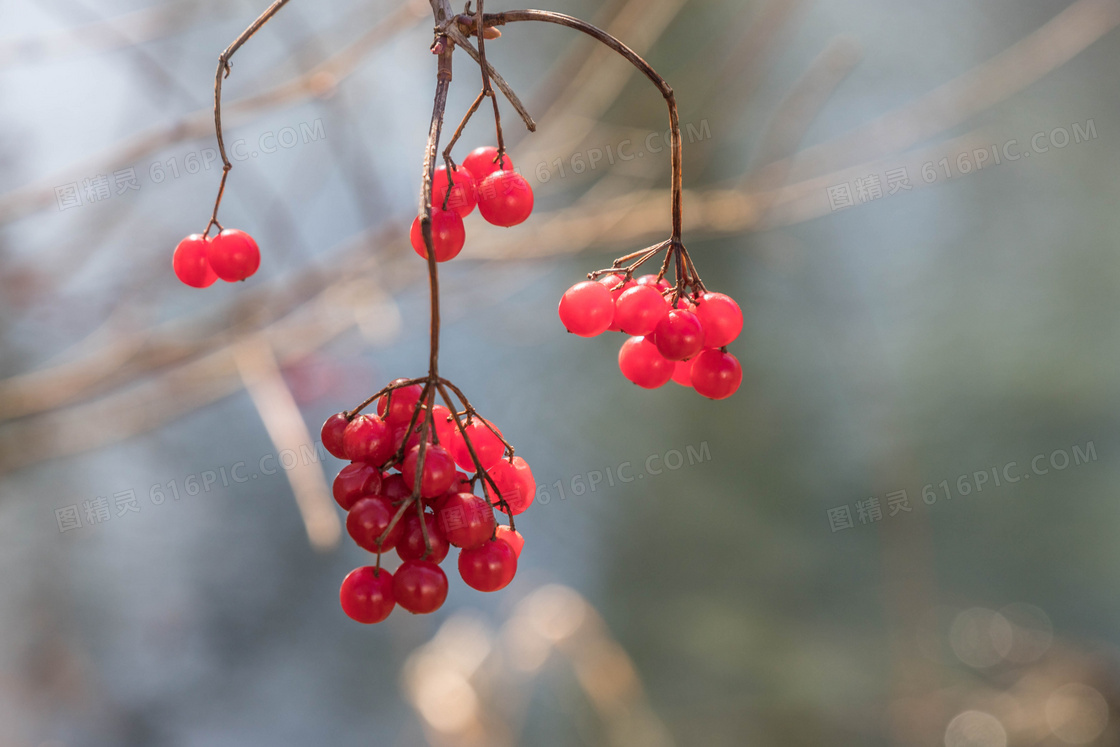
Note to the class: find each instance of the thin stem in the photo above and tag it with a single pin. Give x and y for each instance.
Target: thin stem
(224, 69)
(512, 16)
(487, 89)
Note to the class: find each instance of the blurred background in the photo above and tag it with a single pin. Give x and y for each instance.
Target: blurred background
(901, 531)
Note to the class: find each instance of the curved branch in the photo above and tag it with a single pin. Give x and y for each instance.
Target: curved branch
(224, 70)
(545, 16)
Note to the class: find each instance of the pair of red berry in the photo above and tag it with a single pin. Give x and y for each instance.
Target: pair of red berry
(453, 515)
(684, 342)
(232, 255)
(503, 196)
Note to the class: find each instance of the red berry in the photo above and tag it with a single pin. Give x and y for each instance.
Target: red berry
(464, 195)
(367, 595)
(190, 263)
(722, 319)
(439, 470)
(332, 432)
(467, 520)
(505, 198)
(448, 235)
(613, 282)
(368, 439)
(444, 425)
(234, 255)
(411, 544)
(639, 310)
(617, 286)
(489, 567)
(400, 402)
(513, 538)
(394, 488)
(354, 482)
(482, 162)
(515, 483)
(487, 446)
(587, 309)
(661, 285)
(642, 364)
(679, 335)
(420, 586)
(367, 521)
(716, 374)
(682, 374)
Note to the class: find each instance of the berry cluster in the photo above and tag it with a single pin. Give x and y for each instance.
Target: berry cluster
(486, 179)
(413, 453)
(677, 336)
(199, 260)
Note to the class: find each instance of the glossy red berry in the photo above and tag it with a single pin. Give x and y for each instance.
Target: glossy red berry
(190, 263)
(640, 309)
(487, 446)
(512, 537)
(722, 319)
(444, 425)
(682, 373)
(642, 364)
(515, 483)
(368, 438)
(448, 235)
(354, 482)
(679, 335)
(367, 595)
(331, 434)
(587, 309)
(464, 195)
(716, 375)
(399, 403)
(651, 280)
(505, 198)
(439, 470)
(367, 521)
(394, 488)
(482, 162)
(489, 567)
(233, 254)
(420, 586)
(466, 519)
(410, 546)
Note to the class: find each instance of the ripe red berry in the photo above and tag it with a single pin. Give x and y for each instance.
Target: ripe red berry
(587, 309)
(367, 595)
(331, 434)
(722, 319)
(444, 425)
(716, 375)
(394, 488)
(410, 546)
(489, 567)
(505, 198)
(467, 520)
(190, 263)
(420, 586)
(464, 195)
(448, 235)
(640, 309)
(682, 374)
(233, 254)
(487, 446)
(651, 280)
(482, 162)
(400, 403)
(439, 470)
(368, 439)
(642, 364)
(354, 482)
(367, 521)
(679, 335)
(515, 483)
(512, 537)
